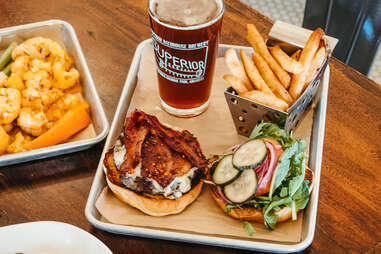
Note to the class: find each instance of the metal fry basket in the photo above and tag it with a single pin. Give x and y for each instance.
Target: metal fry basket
(247, 113)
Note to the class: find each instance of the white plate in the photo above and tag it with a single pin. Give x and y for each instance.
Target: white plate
(48, 237)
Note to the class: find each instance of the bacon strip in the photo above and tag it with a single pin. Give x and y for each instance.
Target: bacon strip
(182, 142)
(140, 124)
(161, 163)
(135, 132)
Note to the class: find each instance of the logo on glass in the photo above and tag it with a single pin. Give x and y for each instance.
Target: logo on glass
(174, 65)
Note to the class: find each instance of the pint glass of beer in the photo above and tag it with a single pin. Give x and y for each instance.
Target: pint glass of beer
(185, 37)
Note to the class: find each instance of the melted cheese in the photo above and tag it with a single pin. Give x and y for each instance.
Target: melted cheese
(173, 190)
(119, 152)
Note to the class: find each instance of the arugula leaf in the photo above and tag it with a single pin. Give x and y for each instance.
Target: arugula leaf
(283, 192)
(258, 201)
(297, 168)
(284, 164)
(294, 211)
(228, 207)
(269, 216)
(249, 228)
(300, 199)
(255, 203)
(302, 196)
(270, 220)
(262, 198)
(271, 130)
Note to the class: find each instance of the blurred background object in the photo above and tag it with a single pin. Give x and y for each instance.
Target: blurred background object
(356, 23)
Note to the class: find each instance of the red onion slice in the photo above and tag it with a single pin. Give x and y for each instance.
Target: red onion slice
(264, 182)
(222, 196)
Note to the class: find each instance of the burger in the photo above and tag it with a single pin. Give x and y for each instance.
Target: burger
(264, 179)
(155, 168)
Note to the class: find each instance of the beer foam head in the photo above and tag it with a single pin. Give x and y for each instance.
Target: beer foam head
(185, 13)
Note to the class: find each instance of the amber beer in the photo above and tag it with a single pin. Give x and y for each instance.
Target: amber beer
(185, 38)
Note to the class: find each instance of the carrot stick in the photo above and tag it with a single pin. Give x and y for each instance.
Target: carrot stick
(72, 122)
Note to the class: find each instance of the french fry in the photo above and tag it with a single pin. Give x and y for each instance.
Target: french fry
(306, 57)
(296, 55)
(285, 61)
(236, 83)
(257, 42)
(316, 64)
(253, 74)
(266, 99)
(236, 67)
(270, 79)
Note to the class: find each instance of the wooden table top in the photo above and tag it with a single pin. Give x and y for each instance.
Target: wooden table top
(349, 217)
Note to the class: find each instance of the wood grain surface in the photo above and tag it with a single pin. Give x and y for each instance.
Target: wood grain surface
(349, 218)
